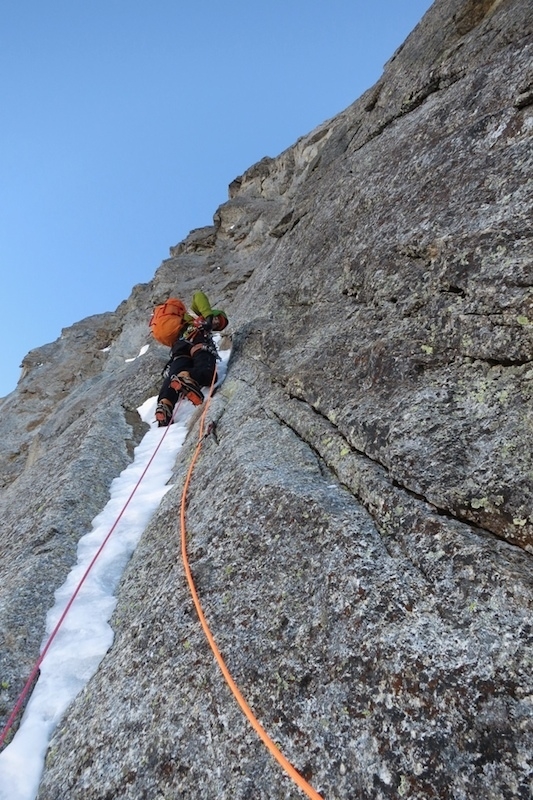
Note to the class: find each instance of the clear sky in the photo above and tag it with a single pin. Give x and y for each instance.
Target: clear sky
(123, 122)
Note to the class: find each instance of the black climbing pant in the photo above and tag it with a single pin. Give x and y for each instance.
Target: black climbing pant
(200, 365)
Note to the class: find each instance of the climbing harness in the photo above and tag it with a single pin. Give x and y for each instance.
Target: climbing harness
(291, 771)
(209, 346)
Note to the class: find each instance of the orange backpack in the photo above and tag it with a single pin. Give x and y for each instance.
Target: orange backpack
(167, 320)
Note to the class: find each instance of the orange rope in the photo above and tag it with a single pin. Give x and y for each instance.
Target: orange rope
(252, 719)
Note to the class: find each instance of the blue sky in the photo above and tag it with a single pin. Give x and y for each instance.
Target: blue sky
(123, 122)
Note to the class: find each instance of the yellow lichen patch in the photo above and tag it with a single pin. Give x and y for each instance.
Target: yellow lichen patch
(404, 786)
(480, 502)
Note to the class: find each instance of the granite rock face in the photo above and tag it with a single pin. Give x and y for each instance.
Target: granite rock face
(361, 529)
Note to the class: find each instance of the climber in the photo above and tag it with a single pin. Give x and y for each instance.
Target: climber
(193, 353)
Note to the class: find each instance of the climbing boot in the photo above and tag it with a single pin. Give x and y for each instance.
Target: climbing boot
(163, 413)
(189, 388)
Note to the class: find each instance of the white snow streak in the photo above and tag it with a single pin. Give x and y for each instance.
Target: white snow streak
(85, 635)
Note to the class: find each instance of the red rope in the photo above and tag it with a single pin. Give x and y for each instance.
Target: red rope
(35, 670)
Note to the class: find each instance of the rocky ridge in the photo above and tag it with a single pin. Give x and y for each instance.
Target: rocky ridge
(361, 530)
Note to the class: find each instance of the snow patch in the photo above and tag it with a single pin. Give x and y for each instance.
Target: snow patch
(85, 635)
